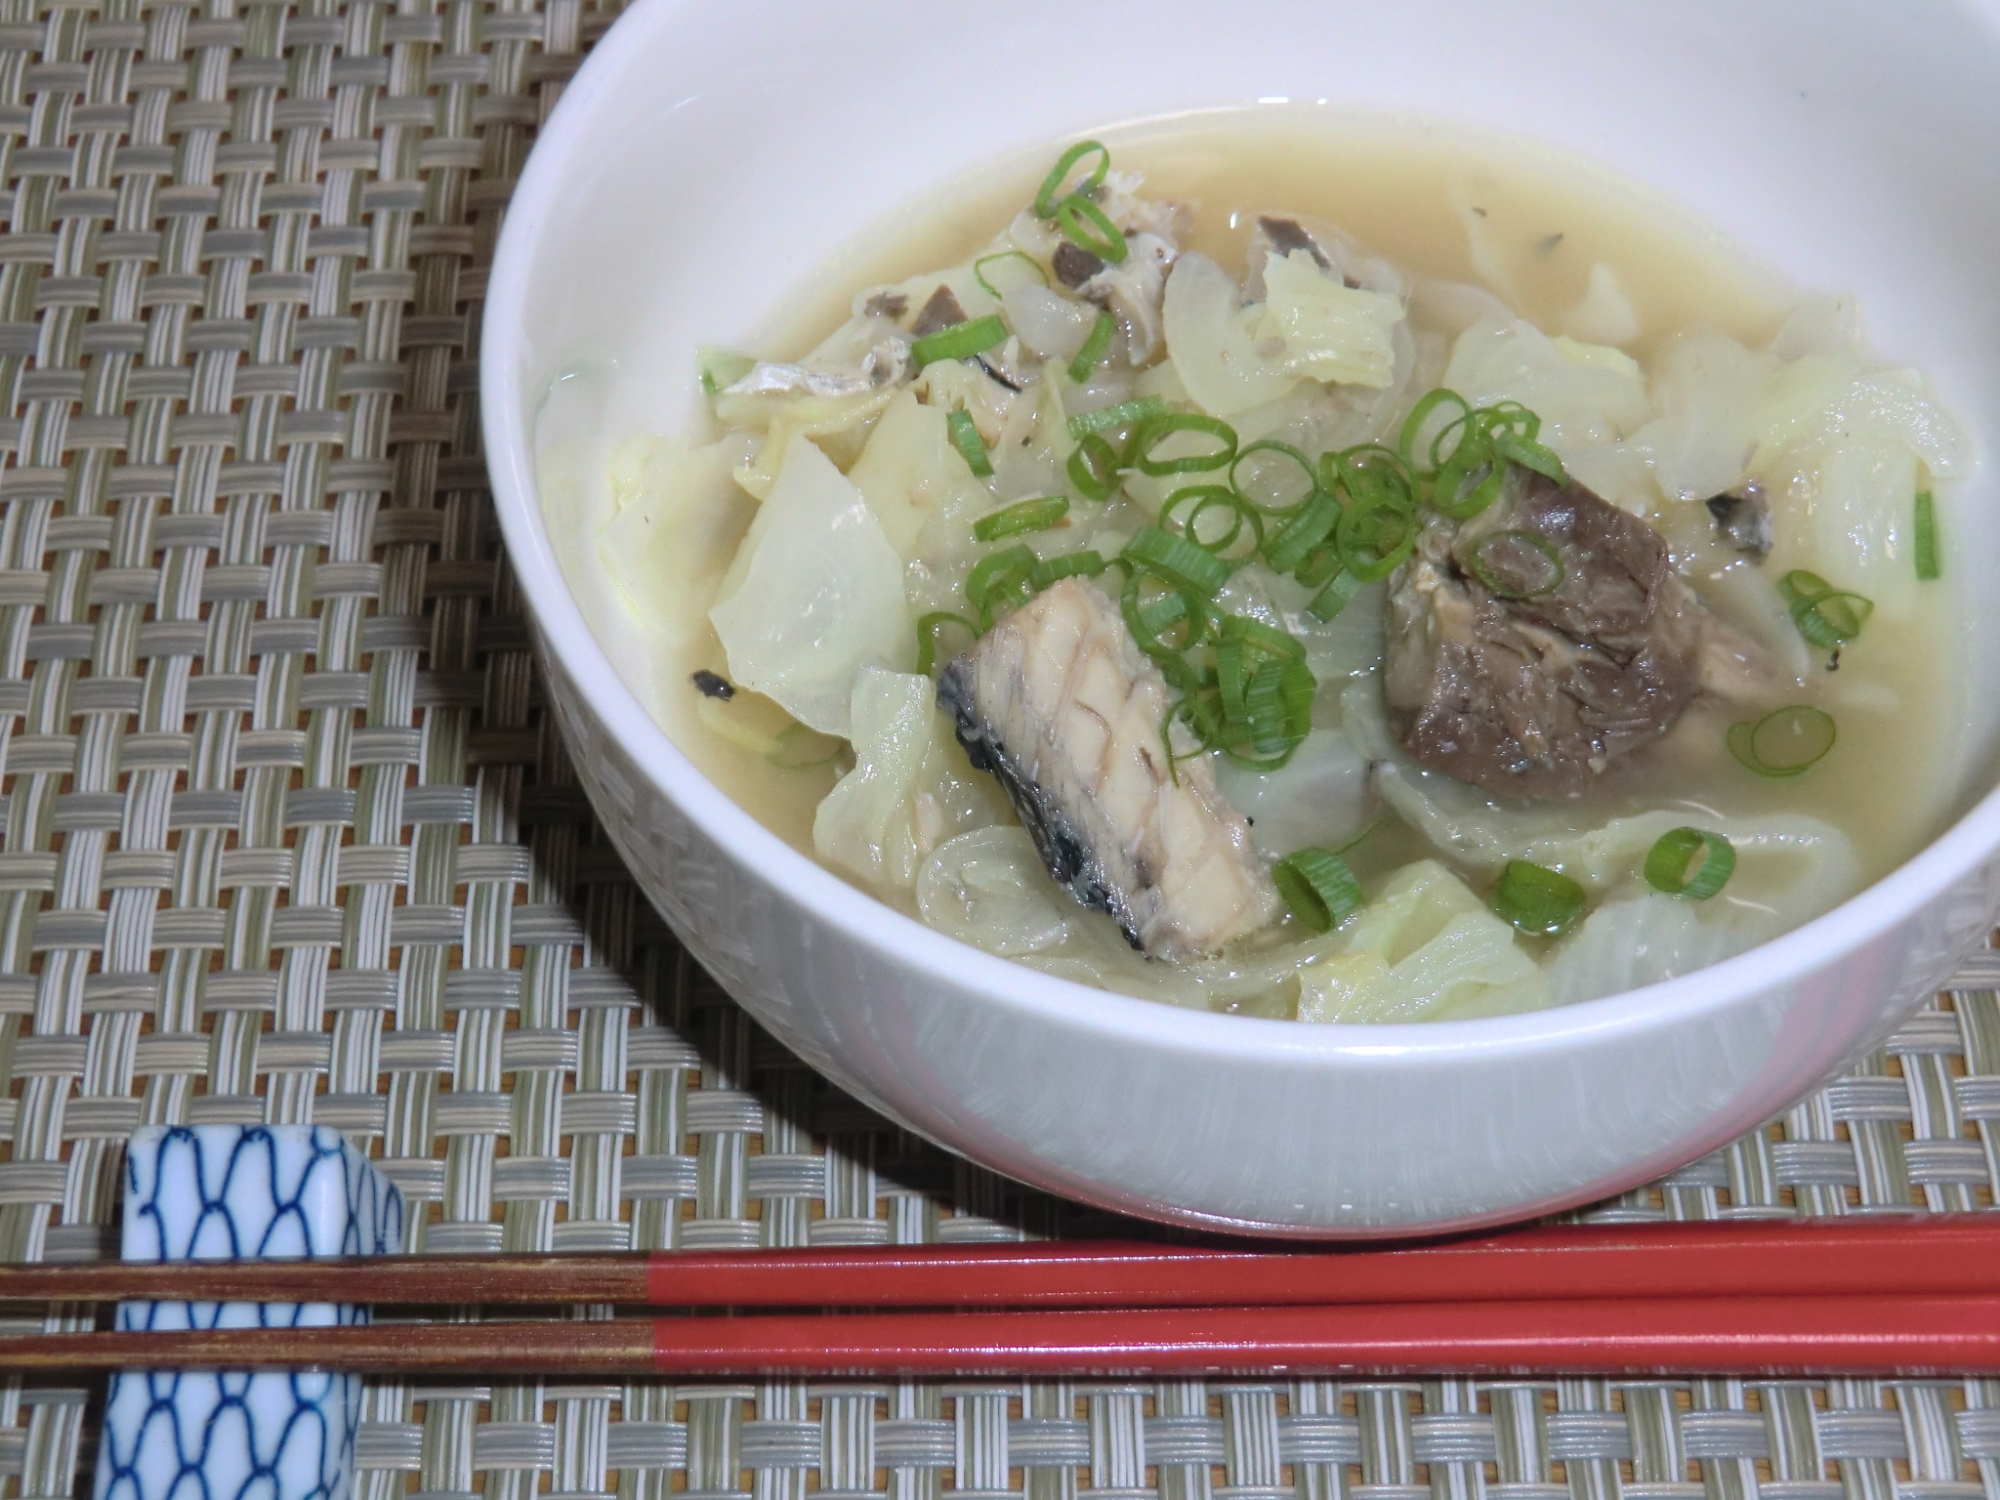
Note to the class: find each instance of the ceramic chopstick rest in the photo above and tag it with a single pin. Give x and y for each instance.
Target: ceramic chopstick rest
(241, 1192)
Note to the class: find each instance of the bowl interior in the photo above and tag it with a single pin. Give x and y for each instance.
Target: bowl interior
(709, 159)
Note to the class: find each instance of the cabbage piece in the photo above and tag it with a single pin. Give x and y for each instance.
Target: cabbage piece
(1710, 393)
(955, 384)
(815, 594)
(1332, 331)
(904, 797)
(1208, 339)
(910, 472)
(988, 888)
(1840, 449)
(839, 424)
(678, 521)
(1583, 396)
(1425, 946)
(1604, 315)
(1050, 324)
(1320, 796)
(1643, 937)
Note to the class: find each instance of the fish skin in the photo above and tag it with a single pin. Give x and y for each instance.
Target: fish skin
(1057, 702)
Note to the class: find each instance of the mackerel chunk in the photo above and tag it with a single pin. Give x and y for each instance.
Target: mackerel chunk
(1058, 703)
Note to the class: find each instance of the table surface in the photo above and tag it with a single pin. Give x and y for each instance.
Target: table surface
(288, 836)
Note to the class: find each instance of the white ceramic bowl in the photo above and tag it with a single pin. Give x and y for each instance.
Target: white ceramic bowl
(709, 155)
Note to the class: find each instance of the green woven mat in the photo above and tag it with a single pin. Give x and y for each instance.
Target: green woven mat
(287, 836)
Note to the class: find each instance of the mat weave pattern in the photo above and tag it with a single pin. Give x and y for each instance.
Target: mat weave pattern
(287, 836)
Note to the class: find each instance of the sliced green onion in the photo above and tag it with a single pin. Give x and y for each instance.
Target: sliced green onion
(1671, 866)
(1178, 560)
(1094, 468)
(1309, 526)
(1368, 472)
(1052, 185)
(928, 627)
(1203, 498)
(1261, 637)
(1231, 680)
(1374, 537)
(1295, 690)
(1927, 555)
(1087, 226)
(1318, 887)
(960, 341)
(1091, 355)
(1498, 559)
(1124, 414)
(999, 578)
(1785, 742)
(1158, 428)
(1413, 426)
(979, 270)
(1021, 517)
(1320, 566)
(1280, 505)
(970, 445)
(1536, 899)
(1050, 570)
(1827, 617)
(1530, 454)
(1150, 620)
(1335, 597)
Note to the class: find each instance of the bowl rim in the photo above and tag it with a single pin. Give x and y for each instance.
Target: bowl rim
(864, 919)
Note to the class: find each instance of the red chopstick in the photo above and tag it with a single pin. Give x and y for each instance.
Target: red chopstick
(1903, 1256)
(1904, 1336)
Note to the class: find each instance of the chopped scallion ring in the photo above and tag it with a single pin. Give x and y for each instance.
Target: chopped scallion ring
(1318, 887)
(1181, 562)
(960, 341)
(1201, 499)
(1094, 468)
(970, 445)
(1785, 742)
(928, 627)
(1336, 596)
(1827, 617)
(1672, 867)
(1091, 355)
(1051, 570)
(997, 579)
(1149, 620)
(1007, 258)
(1374, 537)
(1283, 456)
(1088, 227)
(1536, 899)
(1021, 517)
(1124, 414)
(1517, 564)
(1926, 549)
(1310, 525)
(1052, 185)
(1158, 428)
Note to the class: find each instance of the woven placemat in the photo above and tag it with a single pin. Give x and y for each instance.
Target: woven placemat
(288, 836)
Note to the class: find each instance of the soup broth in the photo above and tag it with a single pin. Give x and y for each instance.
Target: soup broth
(1496, 254)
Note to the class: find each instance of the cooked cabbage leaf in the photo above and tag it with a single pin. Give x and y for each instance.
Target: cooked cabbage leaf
(1332, 331)
(815, 594)
(903, 798)
(1424, 947)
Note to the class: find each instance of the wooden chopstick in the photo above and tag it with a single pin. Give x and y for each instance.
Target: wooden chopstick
(1903, 1256)
(1821, 1336)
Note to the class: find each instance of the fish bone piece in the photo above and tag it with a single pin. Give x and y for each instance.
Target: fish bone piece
(1059, 704)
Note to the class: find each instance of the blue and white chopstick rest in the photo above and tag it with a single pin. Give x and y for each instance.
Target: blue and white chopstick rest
(248, 1192)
